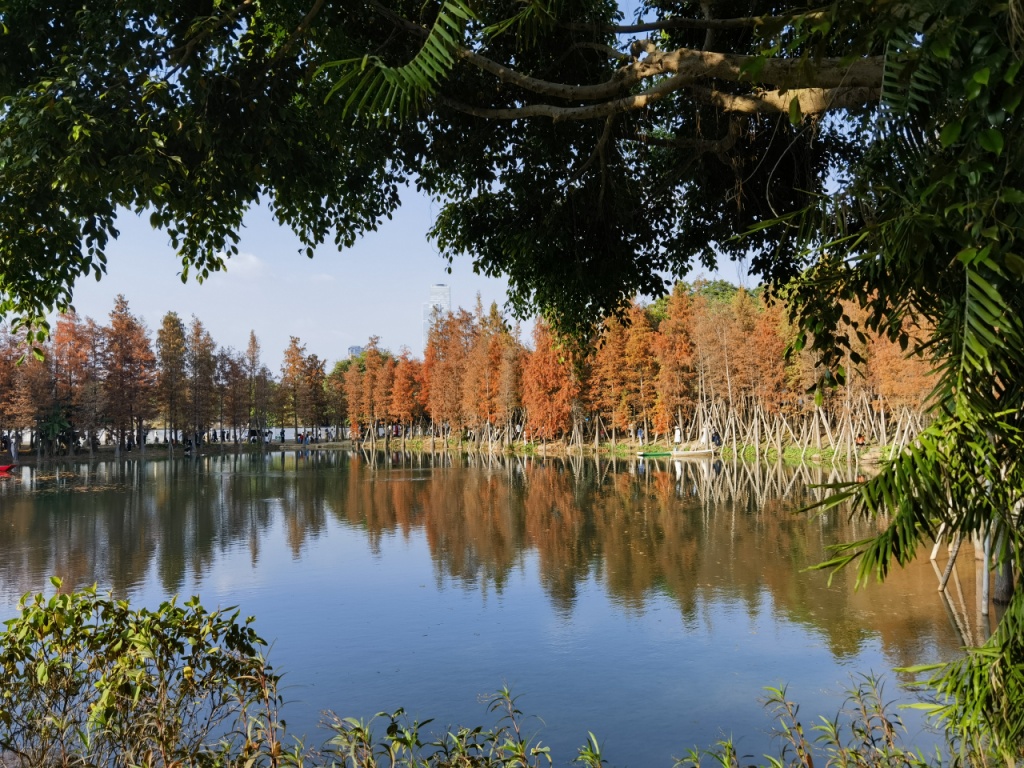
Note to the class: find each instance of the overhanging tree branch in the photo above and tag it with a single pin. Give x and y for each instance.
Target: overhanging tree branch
(812, 101)
(817, 84)
(691, 66)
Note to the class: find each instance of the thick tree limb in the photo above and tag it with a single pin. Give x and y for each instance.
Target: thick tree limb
(686, 67)
(782, 73)
(689, 65)
(812, 101)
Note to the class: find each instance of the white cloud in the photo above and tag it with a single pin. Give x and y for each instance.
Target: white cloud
(246, 266)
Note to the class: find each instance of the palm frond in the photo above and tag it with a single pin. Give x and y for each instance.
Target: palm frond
(378, 91)
(527, 23)
(911, 84)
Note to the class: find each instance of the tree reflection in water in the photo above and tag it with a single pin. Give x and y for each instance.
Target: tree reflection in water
(690, 534)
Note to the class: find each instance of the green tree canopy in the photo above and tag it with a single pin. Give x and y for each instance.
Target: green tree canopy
(582, 156)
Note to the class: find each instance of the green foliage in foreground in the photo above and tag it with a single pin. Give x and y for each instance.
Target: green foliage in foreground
(865, 734)
(89, 681)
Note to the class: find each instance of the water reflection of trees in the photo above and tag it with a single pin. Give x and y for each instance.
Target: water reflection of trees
(694, 531)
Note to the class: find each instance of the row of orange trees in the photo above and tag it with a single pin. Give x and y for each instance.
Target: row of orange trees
(118, 380)
(708, 357)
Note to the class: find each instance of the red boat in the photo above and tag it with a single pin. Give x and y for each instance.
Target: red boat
(7, 467)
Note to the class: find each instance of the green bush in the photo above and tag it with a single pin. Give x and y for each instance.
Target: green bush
(90, 682)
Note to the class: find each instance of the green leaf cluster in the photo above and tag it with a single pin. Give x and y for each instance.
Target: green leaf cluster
(90, 681)
(188, 113)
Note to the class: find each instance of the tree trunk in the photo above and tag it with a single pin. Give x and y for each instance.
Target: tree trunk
(1002, 585)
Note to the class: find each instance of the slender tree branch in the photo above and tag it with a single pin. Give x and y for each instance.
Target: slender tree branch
(211, 25)
(702, 146)
(602, 142)
(300, 30)
(612, 53)
(677, 22)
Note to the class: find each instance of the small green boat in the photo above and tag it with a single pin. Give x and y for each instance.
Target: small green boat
(653, 452)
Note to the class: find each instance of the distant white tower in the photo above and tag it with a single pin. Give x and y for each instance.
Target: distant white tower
(441, 300)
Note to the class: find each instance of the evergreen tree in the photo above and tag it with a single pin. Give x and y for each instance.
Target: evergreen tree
(172, 386)
(129, 374)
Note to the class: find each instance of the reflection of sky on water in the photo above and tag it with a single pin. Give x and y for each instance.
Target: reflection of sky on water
(366, 616)
(381, 634)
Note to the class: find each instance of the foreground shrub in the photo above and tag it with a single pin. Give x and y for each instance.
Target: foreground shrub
(87, 681)
(866, 733)
(355, 744)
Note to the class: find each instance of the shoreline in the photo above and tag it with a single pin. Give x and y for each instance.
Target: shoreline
(871, 455)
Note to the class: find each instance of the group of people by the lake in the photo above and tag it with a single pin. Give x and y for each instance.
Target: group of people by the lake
(8, 443)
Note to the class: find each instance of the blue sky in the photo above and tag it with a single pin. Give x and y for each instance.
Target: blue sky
(330, 302)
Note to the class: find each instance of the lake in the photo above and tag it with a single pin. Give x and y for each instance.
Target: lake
(648, 602)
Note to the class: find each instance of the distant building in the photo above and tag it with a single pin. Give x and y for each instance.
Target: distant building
(355, 351)
(441, 300)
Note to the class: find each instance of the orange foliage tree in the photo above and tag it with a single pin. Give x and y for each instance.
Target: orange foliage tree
(641, 368)
(353, 387)
(607, 381)
(445, 362)
(481, 384)
(405, 407)
(674, 395)
(130, 373)
(314, 401)
(550, 389)
(377, 380)
(510, 373)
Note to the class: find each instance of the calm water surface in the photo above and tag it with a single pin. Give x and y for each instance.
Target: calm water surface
(648, 603)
